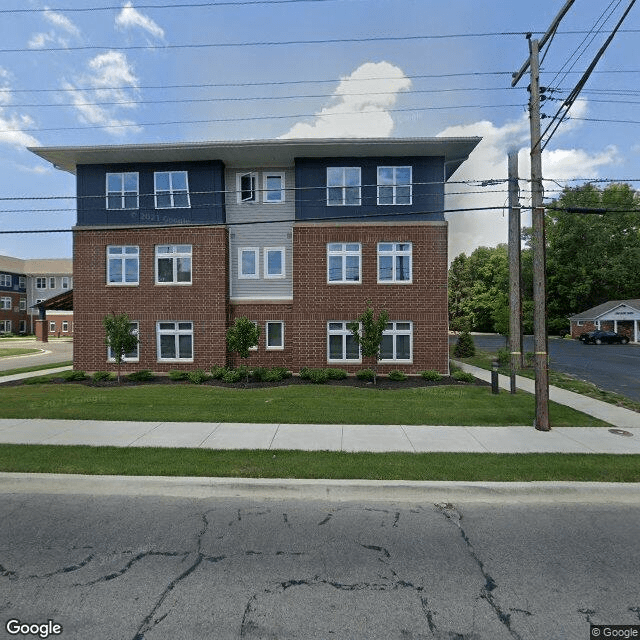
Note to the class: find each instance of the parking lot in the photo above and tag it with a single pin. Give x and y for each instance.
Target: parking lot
(59, 350)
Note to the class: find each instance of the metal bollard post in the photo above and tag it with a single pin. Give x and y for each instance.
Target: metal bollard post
(494, 377)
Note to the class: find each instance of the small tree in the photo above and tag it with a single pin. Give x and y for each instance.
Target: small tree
(119, 337)
(370, 338)
(465, 347)
(243, 335)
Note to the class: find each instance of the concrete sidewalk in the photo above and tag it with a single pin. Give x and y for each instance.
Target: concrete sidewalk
(316, 437)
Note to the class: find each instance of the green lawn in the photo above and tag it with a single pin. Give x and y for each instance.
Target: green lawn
(6, 352)
(316, 404)
(320, 464)
(40, 367)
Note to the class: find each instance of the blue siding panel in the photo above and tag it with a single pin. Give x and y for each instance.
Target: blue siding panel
(206, 192)
(428, 190)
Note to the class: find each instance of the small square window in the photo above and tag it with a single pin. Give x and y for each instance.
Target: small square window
(343, 186)
(173, 264)
(122, 190)
(394, 186)
(275, 335)
(171, 190)
(41, 283)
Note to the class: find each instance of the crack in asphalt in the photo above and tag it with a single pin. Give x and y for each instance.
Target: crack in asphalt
(453, 515)
(69, 569)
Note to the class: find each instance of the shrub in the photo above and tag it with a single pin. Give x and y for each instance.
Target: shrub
(318, 376)
(276, 374)
(336, 374)
(198, 376)
(37, 380)
(397, 376)
(143, 375)
(453, 367)
(305, 373)
(504, 357)
(102, 376)
(366, 374)
(231, 376)
(465, 347)
(175, 374)
(463, 376)
(218, 372)
(260, 374)
(71, 376)
(431, 375)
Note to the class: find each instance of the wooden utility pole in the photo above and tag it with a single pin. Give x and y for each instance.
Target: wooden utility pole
(515, 279)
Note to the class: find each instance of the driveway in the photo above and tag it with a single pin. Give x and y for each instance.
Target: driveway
(52, 352)
(611, 367)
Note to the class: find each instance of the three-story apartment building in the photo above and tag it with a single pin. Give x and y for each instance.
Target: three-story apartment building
(296, 235)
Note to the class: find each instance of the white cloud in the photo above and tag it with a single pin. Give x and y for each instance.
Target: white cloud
(360, 105)
(62, 29)
(130, 18)
(12, 125)
(469, 230)
(110, 78)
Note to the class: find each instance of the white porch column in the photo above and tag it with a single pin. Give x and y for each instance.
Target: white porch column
(615, 326)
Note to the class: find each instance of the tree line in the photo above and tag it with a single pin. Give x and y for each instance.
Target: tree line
(591, 258)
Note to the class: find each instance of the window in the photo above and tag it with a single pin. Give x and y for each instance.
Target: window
(23, 304)
(65, 283)
(173, 264)
(275, 335)
(5, 326)
(246, 185)
(343, 262)
(394, 185)
(397, 342)
(273, 188)
(343, 186)
(274, 262)
(122, 265)
(248, 263)
(171, 189)
(131, 356)
(341, 345)
(122, 190)
(22, 282)
(52, 327)
(65, 327)
(5, 304)
(41, 283)
(5, 280)
(52, 283)
(23, 326)
(175, 341)
(394, 262)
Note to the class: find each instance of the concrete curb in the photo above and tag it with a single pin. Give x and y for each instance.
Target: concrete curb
(327, 490)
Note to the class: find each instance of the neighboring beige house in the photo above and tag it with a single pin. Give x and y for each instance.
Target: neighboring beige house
(25, 283)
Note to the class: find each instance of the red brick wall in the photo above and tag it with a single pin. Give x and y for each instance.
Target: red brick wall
(59, 319)
(204, 302)
(12, 314)
(584, 328)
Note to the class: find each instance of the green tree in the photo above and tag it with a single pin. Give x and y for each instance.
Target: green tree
(465, 347)
(242, 336)
(370, 337)
(119, 338)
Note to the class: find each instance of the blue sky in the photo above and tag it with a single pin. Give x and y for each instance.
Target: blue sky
(62, 70)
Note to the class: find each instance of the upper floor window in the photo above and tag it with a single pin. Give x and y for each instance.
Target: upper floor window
(23, 304)
(122, 190)
(22, 282)
(5, 280)
(123, 265)
(274, 262)
(343, 262)
(246, 187)
(394, 185)
(394, 262)
(173, 264)
(41, 283)
(273, 188)
(248, 262)
(65, 283)
(5, 303)
(171, 189)
(52, 283)
(343, 186)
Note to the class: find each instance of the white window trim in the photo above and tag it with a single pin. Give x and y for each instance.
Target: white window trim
(136, 331)
(5, 280)
(254, 190)
(43, 279)
(122, 257)
(3, 303)
(52, 282)
(250, 276)
(343, 186)
(272, 276)
(22, 282)
(171, 190)
(343, 332)
(394, 186)
(65, 282)
(174, 256)
(266, 191)
(22, 304)
(393, 253)
(65, 326)
(7, 326)
(395, 332)
(52, 326)
(122, 193)
(344, 253)
(266, 335)
(176, 332)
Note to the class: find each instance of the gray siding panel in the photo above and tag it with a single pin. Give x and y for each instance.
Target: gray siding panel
(260, 225)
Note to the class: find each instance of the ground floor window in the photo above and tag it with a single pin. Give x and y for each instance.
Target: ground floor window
(23, 326)
(275, 335)
(397, 342)
(341, 344)
(175, 341)
(52, 327)
(5, 326)
(65, 327)
(131, 356)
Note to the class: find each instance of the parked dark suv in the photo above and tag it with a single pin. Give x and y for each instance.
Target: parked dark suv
(604, 337)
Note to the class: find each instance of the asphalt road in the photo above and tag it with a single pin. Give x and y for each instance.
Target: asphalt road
(53, 351)
(155, 568)
(611, 367)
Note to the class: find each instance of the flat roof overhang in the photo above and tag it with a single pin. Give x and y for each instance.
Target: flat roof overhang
(252, 153)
